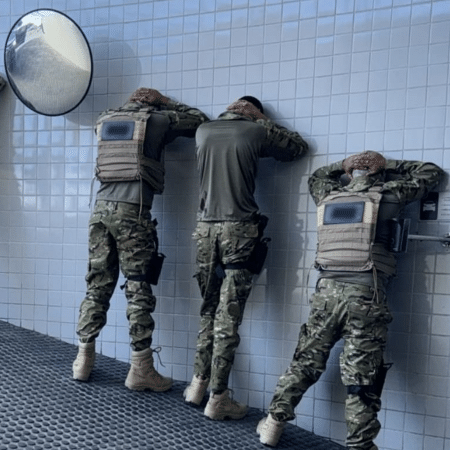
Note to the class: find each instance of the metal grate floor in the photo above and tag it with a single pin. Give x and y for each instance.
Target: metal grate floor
(42, 408)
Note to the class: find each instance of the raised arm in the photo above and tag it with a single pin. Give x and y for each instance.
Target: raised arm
(184, 120)
(281, 143)
(411, 180)
(324, 180)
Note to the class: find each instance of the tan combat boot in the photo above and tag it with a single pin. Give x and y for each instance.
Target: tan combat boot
(84, 362)
(221, 407)
(142, 375)
(270, 431)
(195, 392)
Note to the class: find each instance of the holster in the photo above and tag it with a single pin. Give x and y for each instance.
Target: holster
(399, 230)
(381, 378)
(256, 260)
(376, 388)
(154, 270)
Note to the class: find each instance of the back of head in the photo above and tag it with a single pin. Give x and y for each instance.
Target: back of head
(254, 101)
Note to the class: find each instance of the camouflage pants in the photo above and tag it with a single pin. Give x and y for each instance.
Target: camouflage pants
(348, 311)
(224, 298)
(119, 238)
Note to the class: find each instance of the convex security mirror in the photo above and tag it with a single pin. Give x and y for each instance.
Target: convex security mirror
(48, 62)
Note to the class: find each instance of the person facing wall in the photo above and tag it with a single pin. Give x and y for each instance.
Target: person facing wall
(355, 261)
(229, 237)
(122, 234)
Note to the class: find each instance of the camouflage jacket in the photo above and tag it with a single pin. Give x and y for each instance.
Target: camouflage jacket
(405, 181)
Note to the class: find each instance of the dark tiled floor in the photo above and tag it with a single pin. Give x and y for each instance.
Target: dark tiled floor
(41, 407)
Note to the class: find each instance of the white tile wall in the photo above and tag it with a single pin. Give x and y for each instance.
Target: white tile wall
(348, 75)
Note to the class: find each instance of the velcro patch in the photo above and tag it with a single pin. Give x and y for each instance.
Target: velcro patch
(118, 130)
(351, 212)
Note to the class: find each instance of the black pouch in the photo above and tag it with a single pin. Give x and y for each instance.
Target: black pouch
(154, 271)
(381, 378)
(399, 230)
(256, 261)
(220, 271)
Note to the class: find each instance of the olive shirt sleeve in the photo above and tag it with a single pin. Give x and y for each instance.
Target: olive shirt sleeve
(324, 180)
(412, 180)
(184, 120)
(282, 144)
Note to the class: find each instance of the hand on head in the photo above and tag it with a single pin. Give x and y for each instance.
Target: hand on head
(150, 97)
(371, 161)
(246, 108)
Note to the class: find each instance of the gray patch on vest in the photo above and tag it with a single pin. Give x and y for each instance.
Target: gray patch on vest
(343, 213)
(118, 131)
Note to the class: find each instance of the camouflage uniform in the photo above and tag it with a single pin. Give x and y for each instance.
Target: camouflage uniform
(229, 229)
(351, 306)
(122, 234)
(223, 298)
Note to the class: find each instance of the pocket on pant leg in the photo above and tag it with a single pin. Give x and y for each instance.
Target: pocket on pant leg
(365, 340)
(238, 241)
(202, 237)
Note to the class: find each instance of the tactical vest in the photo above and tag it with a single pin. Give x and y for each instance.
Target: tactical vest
(346, 226)
(121, 135)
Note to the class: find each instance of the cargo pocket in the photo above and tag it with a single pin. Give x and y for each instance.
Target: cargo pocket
(368, 317)
(201, 236)
(201, 231)
(238, 242)
(318, 312)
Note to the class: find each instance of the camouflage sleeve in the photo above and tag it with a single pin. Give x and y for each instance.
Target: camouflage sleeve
(324, 180)
(282, 144)
(412, 180)
(184, 120)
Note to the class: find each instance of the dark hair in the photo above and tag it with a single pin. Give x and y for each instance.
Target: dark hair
(254, 101)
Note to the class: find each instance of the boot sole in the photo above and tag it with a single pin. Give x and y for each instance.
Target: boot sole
(147, 388)
(225, 416)
(78, 378)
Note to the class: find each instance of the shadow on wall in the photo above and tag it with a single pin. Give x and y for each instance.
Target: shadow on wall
(13, 270)
(410, 302)
(116, 70)
(280, 197)
(275, 304)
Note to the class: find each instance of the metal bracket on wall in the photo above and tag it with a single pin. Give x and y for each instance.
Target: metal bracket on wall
(445, 240)
(401, 236)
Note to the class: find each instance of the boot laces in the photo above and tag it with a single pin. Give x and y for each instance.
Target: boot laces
(230, 396)
(157, 350)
